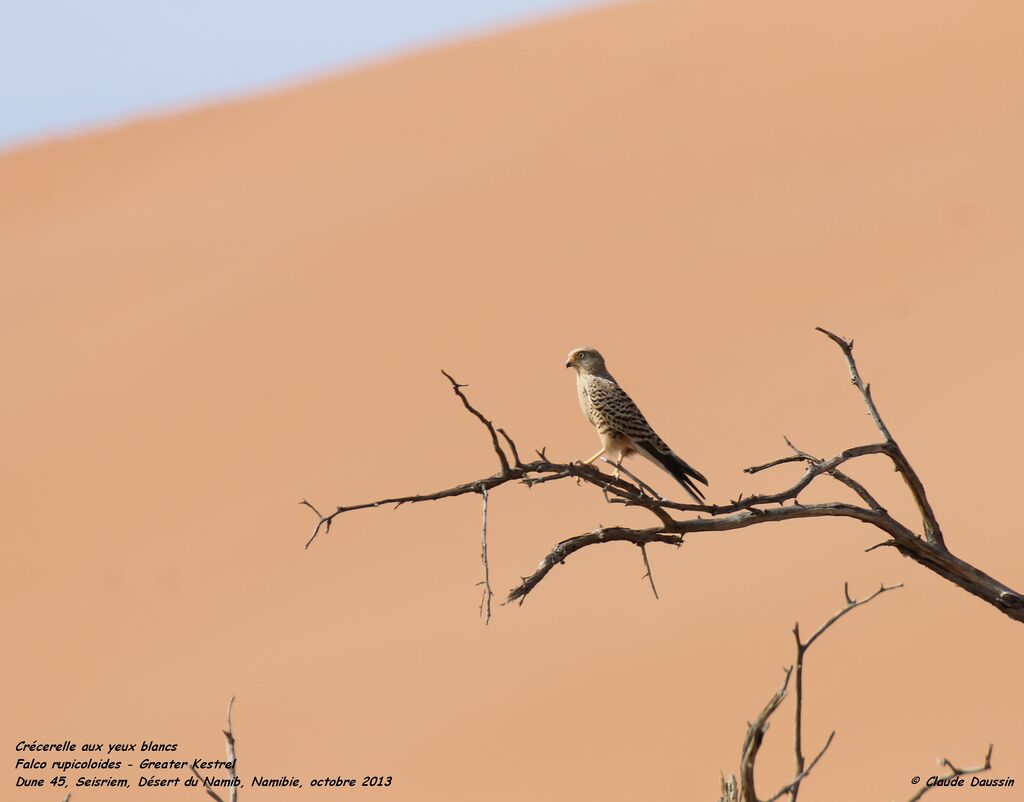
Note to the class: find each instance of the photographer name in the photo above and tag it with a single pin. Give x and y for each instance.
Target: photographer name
(975, 782)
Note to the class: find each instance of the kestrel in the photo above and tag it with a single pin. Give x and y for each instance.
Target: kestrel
(621, 426)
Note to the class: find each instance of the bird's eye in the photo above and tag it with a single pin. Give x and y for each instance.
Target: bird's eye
(580, 354)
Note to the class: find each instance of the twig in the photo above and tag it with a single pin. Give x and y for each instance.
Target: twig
(837, 474)
(865, 389)
(831, 469)
(549, 471)
(791, 789)
(558, 555)
(487, 595)
(502, 459)
(780, 461)
(857, 488)
(324, 522)
(956, 772)
(511, 445)
(932, 531)
(647, 566)
(229, 742)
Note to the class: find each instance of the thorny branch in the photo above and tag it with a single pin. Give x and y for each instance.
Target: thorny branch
(229, 745)
(928, 550)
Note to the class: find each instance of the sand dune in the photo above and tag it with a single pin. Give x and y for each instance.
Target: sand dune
(210, 316)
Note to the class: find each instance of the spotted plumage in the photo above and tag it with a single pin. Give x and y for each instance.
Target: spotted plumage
(620, 424)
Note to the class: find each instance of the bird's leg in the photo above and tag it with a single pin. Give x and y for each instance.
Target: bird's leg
(598, 454)
(618, 465)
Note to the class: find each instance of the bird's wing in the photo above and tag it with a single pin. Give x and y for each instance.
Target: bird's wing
(619, 413)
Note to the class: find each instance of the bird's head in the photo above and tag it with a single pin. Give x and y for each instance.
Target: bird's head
(585, 360)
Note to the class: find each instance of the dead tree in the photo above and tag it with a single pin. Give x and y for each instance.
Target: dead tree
(674, 520)
(924, 543)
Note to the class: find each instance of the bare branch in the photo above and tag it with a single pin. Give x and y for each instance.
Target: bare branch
(511, 445)
(744, 791)
(793, 789)
(857, 488)
(955, 772)
(532, 473)
(865, 389)
(754, 738)
(232, 760)
(851, 604)
(802, 456)
(837, 474)
(815, 468)
(780, 461)
(647, 567)
(932, 531)
(487, 595)
(748, 512)
(502, 459)
(324, 522)
(558, 555)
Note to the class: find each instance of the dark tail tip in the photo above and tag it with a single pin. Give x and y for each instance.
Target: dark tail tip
(681, 471)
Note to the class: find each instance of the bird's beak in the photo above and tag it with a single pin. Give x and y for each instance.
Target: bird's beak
(568, 363)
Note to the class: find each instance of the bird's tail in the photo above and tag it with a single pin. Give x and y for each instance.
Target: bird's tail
(680, 470)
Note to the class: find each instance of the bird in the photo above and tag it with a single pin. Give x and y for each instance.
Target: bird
(621, 425)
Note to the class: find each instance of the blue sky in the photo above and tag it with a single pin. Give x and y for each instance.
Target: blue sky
(68, 65)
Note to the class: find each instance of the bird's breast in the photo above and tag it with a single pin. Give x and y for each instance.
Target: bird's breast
(593, 401)
(585, 403)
